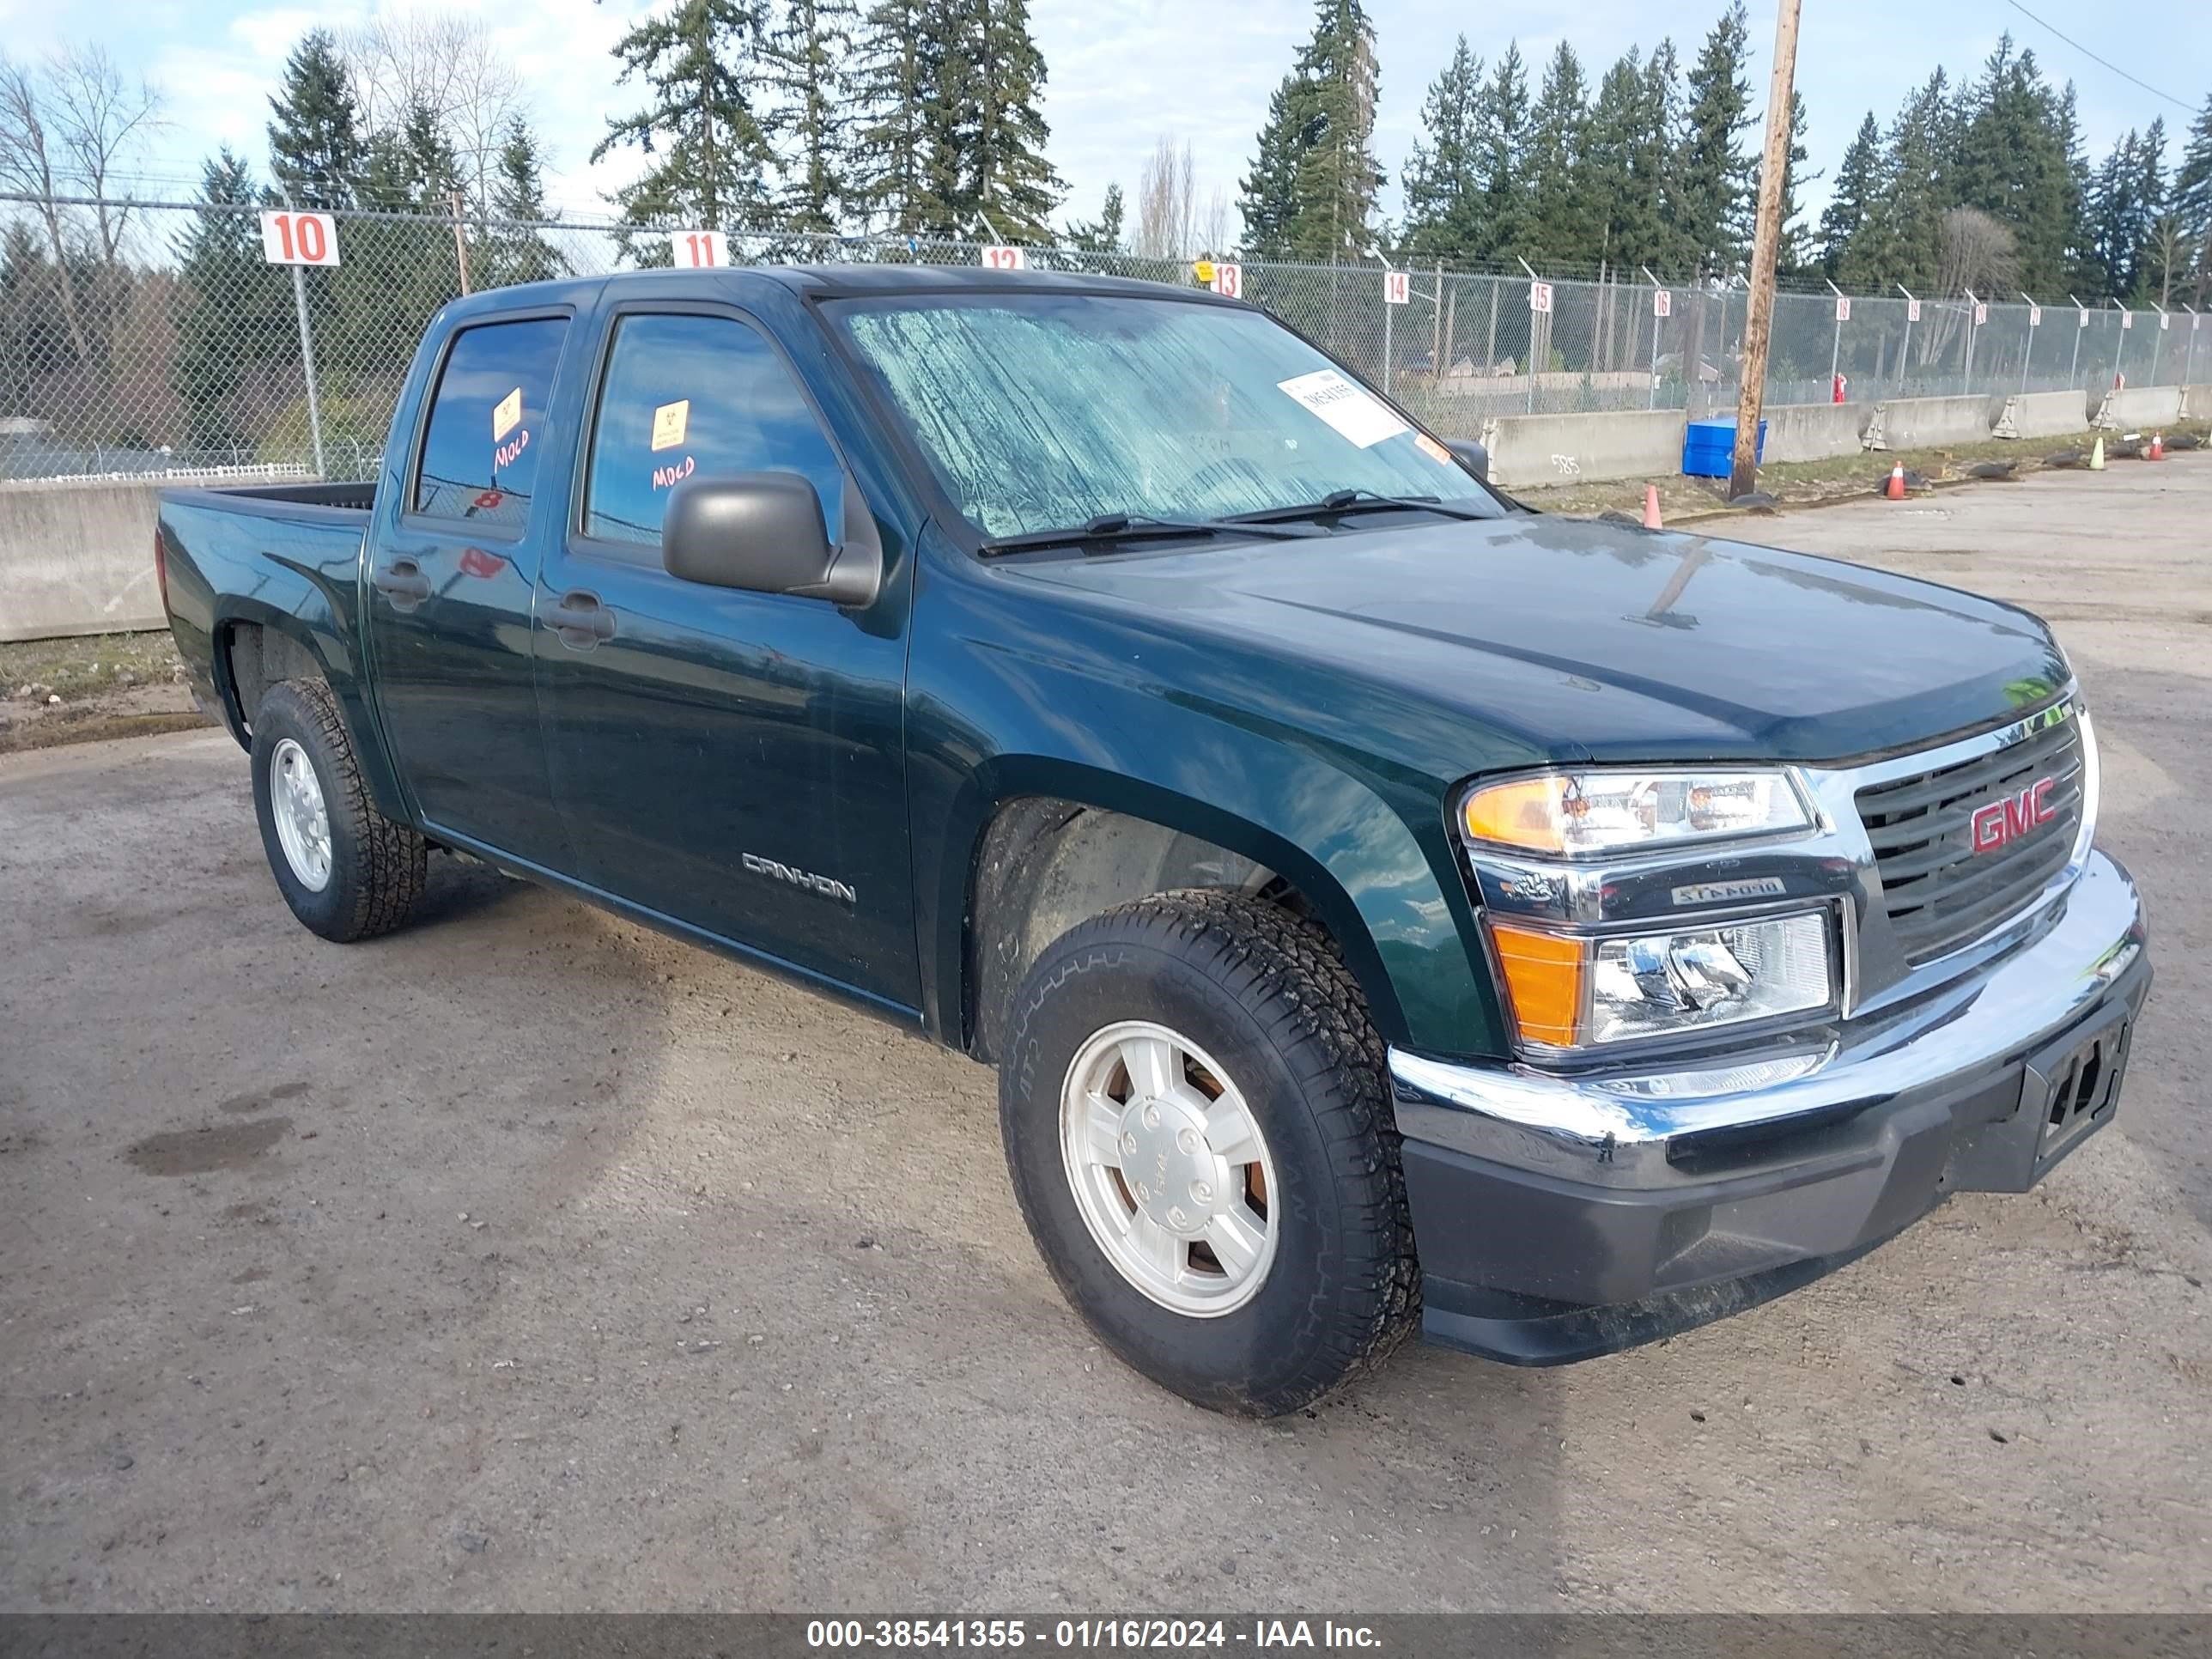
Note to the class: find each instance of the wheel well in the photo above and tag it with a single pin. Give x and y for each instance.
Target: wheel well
(259, 657)
(1045, 864)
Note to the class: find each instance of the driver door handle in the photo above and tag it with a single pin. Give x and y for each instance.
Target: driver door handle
(580, 620)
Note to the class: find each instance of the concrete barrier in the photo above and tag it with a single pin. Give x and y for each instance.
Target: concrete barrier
(1526, 450)
(2045, 414)
(77, 557)
(2140, 406)
(1926, 422)
(1814, 432)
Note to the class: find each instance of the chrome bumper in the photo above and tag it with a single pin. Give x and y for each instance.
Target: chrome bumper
(1627, 1129)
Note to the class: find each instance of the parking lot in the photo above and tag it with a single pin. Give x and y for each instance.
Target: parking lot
(529, 1260)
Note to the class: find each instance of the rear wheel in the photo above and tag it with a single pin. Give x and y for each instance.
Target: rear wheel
(348, 871)
(1197, 1126)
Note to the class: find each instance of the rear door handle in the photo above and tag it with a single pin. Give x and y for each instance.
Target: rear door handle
(403, 582)
(580, 620)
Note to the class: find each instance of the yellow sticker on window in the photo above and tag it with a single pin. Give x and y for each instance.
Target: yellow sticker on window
(670, 423)
(508, 415)
(1435, 451)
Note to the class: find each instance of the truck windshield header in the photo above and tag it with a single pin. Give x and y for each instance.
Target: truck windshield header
(1039, 411)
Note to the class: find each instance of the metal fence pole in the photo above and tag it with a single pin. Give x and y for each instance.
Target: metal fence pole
(1387, 310)
(1533, 331)
(2028, 354)
(2189, 363)
(1835, 351)
(1657, 323)
(1967, 369)
(2081, 327)
(307, 361)
(2157, 346)
(2119, 346)
(1904, 351)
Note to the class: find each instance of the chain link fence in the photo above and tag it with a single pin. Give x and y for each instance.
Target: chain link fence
(187, 354)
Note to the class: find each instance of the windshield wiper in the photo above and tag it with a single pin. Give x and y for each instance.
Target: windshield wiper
(1338, 502)
(1132, 526)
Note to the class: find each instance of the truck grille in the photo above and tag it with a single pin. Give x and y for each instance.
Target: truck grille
(1939, 892)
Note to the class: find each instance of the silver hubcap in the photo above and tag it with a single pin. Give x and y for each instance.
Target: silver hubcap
(303, 827)
(1169, 1168)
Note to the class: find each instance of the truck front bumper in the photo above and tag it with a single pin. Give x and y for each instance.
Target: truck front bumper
(1562, 1217)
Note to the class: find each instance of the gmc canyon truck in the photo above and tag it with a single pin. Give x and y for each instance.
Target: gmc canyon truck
(1387, 907)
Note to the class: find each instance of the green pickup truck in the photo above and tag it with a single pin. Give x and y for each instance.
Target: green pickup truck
(1387, 907)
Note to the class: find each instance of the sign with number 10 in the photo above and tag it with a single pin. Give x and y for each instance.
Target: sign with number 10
(298, 239)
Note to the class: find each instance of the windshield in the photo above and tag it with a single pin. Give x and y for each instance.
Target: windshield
(1044, 410)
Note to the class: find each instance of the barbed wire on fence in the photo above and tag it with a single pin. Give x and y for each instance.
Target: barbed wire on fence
(184, 351)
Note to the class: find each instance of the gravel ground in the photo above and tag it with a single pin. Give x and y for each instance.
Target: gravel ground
(530, 1261)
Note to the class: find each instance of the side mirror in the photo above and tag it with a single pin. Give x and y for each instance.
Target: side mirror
(763, 532)
(1471, 455)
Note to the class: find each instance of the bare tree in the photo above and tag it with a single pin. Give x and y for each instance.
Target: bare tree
(1978, 254)
(1214, 236)
(1166, 210)
(29, 157)
(101, 121)
(448, 64)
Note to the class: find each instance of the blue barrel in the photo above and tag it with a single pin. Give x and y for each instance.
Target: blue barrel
(1708, 448)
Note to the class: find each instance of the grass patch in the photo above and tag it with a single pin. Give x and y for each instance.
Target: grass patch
(73, 669)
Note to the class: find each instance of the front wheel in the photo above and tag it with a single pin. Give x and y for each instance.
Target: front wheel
(1199, 1133)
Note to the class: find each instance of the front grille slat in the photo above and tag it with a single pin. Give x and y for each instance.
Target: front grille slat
(1938, 892)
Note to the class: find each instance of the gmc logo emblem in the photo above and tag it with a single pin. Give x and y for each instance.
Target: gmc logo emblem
(2006, 820)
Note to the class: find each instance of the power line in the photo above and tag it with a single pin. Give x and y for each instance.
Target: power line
(2107, 62)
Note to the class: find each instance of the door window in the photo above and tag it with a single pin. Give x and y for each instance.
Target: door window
(487, 425)
(689, 396)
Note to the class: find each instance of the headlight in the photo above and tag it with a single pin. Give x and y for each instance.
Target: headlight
(1569, 991)
(1602, 810)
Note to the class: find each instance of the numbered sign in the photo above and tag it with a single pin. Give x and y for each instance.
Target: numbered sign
(696, 250)
(2081, 320)
(1842, 307)
(2035, 316)
(1662, 302)
(298, 239)
(2163, 319)
(1229, 281)
(1396, 287)
(1981, 313)
(1005, 258)
(2127, 319)
(1912, 310)
(1539, 296)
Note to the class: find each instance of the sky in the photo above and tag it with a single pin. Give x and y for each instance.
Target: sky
(1123, 72)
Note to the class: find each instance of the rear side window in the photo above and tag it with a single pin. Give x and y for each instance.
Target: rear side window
(688, 396)
(487, 425)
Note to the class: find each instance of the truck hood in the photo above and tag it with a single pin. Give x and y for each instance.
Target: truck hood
(1580, 639)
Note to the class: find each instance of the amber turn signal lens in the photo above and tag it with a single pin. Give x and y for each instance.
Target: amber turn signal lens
(1525, 812)
(1543, 981)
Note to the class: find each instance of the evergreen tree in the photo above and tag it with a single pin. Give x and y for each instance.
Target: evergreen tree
(1620, 203)
(1713, 203)
(1845, 239)
(1311, 192)
(1907, 225)
(517, 251)
(2192, 201)
(1791, 256)
(1560, 227)
(398, 271)
(1502, 120)
(1005, 183)
(697, 62)
(1267, 195)
(2125, 206)
(2011, 162)
(1103, 234)
(1442, 186)
(894, 71)
(1654, 161)
(805, 58)
(316, 149)
(233, 309)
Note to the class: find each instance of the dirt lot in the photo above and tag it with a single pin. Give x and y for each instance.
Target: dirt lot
(529, 1260)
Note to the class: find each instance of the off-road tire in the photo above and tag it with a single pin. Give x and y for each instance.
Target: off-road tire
(1266, 994)
(379, 868)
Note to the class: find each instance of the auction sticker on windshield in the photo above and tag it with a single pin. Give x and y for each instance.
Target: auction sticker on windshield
(1344, 406)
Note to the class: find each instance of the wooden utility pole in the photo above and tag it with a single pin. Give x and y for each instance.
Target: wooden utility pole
(1758, 314)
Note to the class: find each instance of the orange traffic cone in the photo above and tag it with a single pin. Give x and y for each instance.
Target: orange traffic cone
(2158, 445)
(1651, 508)
(1895, 492)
